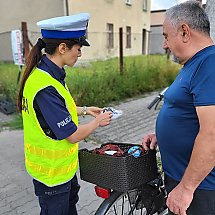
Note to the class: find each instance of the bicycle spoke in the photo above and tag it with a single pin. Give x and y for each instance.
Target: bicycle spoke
(131, 207)
(126, 205)
(123, 201)
(115, 209)
(129, 203)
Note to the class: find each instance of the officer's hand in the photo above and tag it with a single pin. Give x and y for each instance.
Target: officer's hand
(93, 111)
(104, 119)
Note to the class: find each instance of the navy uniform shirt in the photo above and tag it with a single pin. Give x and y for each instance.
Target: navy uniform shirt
(50, 106)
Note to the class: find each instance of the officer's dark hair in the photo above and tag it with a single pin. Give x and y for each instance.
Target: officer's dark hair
(50, 46)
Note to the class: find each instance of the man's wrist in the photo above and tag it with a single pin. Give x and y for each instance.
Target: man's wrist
(188, 185)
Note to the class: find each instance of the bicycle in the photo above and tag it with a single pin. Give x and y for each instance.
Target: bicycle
(145, 198)
(148, 198)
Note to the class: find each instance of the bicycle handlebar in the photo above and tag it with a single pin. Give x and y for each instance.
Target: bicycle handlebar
(157, 99)
(154, 102)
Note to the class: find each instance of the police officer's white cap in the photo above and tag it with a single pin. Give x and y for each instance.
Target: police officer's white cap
(66, 27)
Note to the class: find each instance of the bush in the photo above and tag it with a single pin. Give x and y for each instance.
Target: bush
(101, 83)
(8, 82)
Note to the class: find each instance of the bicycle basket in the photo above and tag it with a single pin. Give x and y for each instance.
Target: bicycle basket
(117, 173)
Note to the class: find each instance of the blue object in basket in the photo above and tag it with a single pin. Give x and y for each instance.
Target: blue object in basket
(135, 151)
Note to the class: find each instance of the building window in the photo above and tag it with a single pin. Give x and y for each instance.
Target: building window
(128, 37)
(128, 2)
(145, 5)
(109, 35)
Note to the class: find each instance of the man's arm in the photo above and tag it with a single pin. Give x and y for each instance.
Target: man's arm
(203, 155)
(201, 163)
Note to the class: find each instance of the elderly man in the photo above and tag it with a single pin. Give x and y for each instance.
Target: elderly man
(185, 127)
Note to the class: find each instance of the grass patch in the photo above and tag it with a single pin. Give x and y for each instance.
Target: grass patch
(14, 124)
(102, 83)
(8, 82)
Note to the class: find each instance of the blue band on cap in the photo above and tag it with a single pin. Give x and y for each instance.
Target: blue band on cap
(54, 34)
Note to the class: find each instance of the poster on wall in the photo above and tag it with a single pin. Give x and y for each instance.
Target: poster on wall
(17, 47)
(17, 50)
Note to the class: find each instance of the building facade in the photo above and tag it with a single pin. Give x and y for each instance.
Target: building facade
(25, 11)
(106, 19)
(107, 16)
(156, 37)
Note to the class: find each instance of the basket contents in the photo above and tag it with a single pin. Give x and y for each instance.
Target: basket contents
(115, 150)
(115, 166)
(135, 151)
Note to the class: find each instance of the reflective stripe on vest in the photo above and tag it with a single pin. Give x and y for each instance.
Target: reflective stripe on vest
(50, 154)
(51, 172)
(49, 161)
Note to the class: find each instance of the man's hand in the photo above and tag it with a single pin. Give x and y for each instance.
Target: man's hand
(149, 141)
(179, 199)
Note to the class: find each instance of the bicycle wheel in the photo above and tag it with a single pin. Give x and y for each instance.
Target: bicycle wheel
(123, 204)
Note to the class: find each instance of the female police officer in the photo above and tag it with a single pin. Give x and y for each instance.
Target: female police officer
(51, 130)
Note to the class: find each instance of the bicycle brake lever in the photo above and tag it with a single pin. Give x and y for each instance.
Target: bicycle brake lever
(157, 103)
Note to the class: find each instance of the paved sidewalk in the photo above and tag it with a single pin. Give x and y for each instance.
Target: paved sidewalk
(16, 190)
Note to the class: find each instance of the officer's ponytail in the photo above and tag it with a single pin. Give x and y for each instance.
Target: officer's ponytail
(50, 46)
(32, 60)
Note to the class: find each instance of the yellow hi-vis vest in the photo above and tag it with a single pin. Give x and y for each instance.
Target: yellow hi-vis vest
(52, 162)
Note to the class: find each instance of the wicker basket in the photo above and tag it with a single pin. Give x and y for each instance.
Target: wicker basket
(117, 173)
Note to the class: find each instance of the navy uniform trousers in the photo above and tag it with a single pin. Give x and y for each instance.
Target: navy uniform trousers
(58, 200)
(203, 200)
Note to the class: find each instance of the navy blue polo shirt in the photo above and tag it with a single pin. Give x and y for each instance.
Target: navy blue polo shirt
(177, 124)
(50, 106)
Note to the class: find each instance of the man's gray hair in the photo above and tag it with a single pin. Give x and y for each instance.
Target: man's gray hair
(191, 13)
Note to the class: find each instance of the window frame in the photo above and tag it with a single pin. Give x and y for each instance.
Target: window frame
(110, 35)
(128, 37)
(145, 5)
